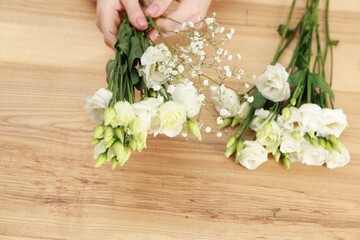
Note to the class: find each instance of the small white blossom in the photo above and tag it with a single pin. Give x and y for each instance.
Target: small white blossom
(230, 57)
(206, 82)
(238, 56)
(219, 120)
(219, 134)
(250, 99)
(170, 89)
(180, 68)
(208, 129)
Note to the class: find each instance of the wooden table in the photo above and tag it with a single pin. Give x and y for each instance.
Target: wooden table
(52, 56)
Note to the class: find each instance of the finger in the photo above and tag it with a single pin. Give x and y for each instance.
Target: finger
(158, 8)
(135, 14)
(109, 28)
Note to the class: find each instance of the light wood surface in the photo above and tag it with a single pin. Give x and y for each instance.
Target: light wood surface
(52, 57)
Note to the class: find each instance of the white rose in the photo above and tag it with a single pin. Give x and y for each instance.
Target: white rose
(124, 114)
(269, 136)
(311, 115)
(95, 105)
(187, 94)
(314, 156)
(273, 83)
(252, 155)
(227, 99)
(172, 116)
(337, 159)
(293, 123)
(334, 122)
(260, 119)
(146, 111)
(150, 62)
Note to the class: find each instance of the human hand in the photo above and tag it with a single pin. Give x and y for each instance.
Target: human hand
(108, 18)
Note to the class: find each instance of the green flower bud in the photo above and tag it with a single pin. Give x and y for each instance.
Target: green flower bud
(95, 141)
(119, 133)
(312, 134)
(122, 153)
(108, 134)
(99, 131)
(267, 128)
(307, 138)
(231, 150)
(231, 141)
(333, 139)
(296, 135)
(101, 160)
(322, 142)
(314, 142)
(110, 143)
(235, 122)
(227, 122)
(277, 156)
(133, 144)
(141, 140)
(338, 147)
(287, 163)
(293, 101)
(328, 146)
(239, 148)
(114, 163)
(194, 128)
(109, 115)
(286, 113)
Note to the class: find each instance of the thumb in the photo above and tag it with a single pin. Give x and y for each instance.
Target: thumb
(158, 8)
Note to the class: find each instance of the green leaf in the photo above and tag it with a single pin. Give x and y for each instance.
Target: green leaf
(259, 100)
(334, 42)
(136, 51)
(134, 75)
(110, 66)
(319, 82)
(296, 77)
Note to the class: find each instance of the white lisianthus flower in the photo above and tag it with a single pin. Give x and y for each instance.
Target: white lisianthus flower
(172, 116)
(312, 119)
(252, 156)
(244, 111)
(273, 83)
(293, 122)
(124, 114)
(149, 67)
(314, 156)
(146, 110)
(260, 119)
(225, 98)
(96, 105)
(334, 122)
(337, 159)
(187, 94)
(289, 144)
(269, 136)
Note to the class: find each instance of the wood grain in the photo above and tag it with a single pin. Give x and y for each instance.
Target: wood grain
(52, 56)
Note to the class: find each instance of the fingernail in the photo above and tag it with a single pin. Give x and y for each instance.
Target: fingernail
(141, 21)
(153, 9)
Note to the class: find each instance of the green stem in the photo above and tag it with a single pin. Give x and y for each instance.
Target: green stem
(284, 34)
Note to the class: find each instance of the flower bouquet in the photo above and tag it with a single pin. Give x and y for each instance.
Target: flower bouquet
(290, 109)
(155, 88)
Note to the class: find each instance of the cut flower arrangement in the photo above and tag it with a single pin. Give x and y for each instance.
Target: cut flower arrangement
(162, 89)
(290, 109)
(156, 88)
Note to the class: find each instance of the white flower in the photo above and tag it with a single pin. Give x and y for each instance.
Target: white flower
(291, 145)
(206, 82)
(337, 159)
(172, 116)
(260, 119)
(244, 111)
(150, 62)
(334, 122)
(269, 136)
(187, 94)
(219, 120)
(311, 155)
(95, 105)
(225, 98)
(146, 111)
(312, 119)
(273, 83)
(252, 156)
(293, 122)
(180, 68)
(219, 134)
(124, 114)
(208, 129)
